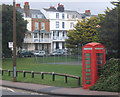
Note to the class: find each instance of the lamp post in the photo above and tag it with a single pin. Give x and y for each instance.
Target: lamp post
(14, 42)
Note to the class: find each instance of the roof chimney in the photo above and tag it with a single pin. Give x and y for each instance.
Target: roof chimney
(60, 7)
(27, 9)
(52, 8)
(18, 5)
(87, 12)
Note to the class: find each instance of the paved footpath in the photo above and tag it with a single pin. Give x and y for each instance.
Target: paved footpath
(56, 90)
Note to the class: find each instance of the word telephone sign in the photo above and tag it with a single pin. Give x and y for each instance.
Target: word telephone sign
(93, 59)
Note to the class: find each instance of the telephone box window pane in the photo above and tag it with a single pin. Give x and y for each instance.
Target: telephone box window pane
(99, 62)
(99, 70)
(88, 78)
(98, 66)
(87, 54)
(100, 58)
(99, 54)
(88, 66)
(88, 82)
(99, 74)
(87, 58)
(88, 74)
(88, 70)
(87, 62)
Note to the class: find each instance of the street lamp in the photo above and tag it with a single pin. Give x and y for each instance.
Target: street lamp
(14, 42)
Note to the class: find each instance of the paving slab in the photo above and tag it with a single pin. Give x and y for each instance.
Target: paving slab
(56, 90)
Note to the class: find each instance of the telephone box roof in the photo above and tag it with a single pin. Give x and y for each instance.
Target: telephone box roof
(93, 44)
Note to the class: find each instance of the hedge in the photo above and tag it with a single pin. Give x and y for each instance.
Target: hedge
(109, 79)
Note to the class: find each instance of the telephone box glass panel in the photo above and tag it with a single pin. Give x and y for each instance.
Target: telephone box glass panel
(99, 61)
(87, 60)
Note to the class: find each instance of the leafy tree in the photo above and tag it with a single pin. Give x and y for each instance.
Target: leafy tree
(108, 33)
(85, 31)
(7, 28)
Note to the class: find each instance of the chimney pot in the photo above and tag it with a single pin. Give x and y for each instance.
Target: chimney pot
(87, 11)
(17, 5)
(27, 9)
(52, 7)
(26, 3)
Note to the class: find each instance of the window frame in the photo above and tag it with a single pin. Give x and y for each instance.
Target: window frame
(57, 15)
(57, 24)
(35, 35)
(36, 25)
(63, 16)
(63, 24)
(42, 26)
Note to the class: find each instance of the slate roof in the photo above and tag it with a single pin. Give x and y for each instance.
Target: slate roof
(66, 11)
(79, 15)
(32, 11)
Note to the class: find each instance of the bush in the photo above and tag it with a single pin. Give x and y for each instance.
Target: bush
(109, 79)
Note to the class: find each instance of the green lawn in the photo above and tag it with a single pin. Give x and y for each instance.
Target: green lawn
(30, 64)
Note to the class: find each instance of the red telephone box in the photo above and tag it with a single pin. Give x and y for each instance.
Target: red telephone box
(93, 59)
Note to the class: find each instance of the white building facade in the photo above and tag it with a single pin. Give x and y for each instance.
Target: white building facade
(61, 21)
(48, 28)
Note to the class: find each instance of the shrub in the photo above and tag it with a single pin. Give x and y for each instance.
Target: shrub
(109, 79)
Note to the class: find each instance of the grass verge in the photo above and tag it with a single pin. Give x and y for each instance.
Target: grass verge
(29, 64)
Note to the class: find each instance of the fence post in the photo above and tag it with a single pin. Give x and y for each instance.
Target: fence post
(8, 72)
(79, 81)
(32, 74)
(65, 79)
(16, 73)
(2, 72)
(42, 75)
(23, 73)
(53, 76)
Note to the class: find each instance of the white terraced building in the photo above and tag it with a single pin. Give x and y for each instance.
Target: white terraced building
(60, 22)
(48, 28)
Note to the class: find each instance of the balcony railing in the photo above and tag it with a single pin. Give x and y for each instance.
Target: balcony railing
(56, 38)
(37, 40)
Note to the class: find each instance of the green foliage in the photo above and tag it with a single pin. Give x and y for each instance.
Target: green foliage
(85, 31)
(109, 79)
(108, 32)
(7, 28)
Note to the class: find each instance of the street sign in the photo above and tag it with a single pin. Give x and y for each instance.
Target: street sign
(10, 44)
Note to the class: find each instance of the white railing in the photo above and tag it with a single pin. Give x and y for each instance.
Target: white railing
(37, 40)
(56, 38)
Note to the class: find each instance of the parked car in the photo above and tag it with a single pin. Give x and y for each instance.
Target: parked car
(25, 53)
(56, 53)
(39, 53)
(65, 53)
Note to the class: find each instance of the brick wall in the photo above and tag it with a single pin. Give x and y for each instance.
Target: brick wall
(46, 21)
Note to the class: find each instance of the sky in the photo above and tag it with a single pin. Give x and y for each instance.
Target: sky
(95, 6)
